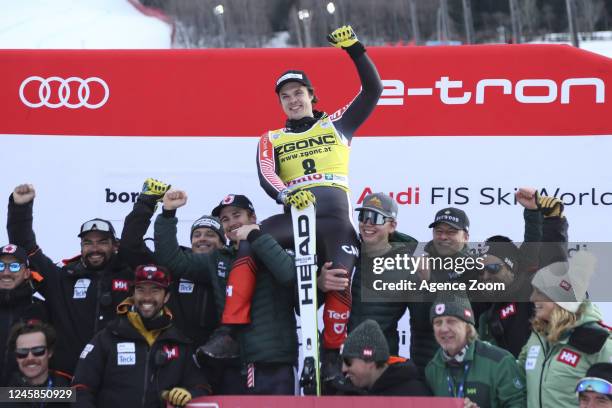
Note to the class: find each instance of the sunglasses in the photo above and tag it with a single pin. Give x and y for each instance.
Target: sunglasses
(594, 384)
(12, 266)
(374, 217)
(97, 225)
(493, 268)
(37, 351)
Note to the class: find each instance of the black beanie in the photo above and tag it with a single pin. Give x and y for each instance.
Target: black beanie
(504, 249)
(367, 342)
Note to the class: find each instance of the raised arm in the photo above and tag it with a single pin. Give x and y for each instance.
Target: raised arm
(350, 117)
(195, 267)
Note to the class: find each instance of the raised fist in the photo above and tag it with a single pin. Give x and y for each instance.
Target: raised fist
(174, 199)
(526, 196)
(23, 194)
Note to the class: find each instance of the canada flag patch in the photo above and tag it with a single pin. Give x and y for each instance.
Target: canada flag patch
(121, 285)
(568, 357)
(228, 199)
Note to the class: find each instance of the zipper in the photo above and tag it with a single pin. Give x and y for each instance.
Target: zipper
(97, 317)
(146, 377)
(547, 355)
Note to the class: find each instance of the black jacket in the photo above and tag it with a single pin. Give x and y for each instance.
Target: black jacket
(507, 324)
(118, 368)
(16, 305)
(80, 301)
(192, 303)
(401, 378)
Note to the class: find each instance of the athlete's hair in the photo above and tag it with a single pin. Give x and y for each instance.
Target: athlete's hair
(560, 321)
(32, 326)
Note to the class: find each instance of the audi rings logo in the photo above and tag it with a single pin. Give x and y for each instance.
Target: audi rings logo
(62, 99)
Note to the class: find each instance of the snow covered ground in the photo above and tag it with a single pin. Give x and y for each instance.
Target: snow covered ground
(79, 24)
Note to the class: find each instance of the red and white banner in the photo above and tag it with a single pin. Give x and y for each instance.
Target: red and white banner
(468, 90)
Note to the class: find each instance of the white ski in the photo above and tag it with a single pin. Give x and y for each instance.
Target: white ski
(304, 237)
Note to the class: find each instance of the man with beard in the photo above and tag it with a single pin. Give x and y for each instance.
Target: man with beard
(82, 293)
(17, 301)
(32, 344)
(140, 359)
(506, 322)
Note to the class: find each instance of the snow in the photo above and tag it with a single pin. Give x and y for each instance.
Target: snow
(79, 24)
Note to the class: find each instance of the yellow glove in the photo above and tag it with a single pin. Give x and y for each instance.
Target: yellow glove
(155, 188)
(300, 199)
(178, 396)
(550, 206)
(342, 37)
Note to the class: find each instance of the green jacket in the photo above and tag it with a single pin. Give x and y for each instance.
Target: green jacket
(271, 337)
(553, 370)
(493, 379)
(387, 313)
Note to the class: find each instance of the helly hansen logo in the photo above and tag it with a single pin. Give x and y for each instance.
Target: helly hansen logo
(367, 352)
(565, 285)
(568, 357)
(507, 311)
(121, 285)
(172, 352)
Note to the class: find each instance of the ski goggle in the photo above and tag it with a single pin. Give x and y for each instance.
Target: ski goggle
(594, 384)
(374, 217)
(493, 268)
(152, 274)
(12, 266)
(37, 351)
(97, 225)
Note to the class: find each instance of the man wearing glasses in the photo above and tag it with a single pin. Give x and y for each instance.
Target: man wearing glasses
(82, 293)
(32, 344)
(17, 301)
(595, 389)
(380, 239)
(140, 358)
(506, 322)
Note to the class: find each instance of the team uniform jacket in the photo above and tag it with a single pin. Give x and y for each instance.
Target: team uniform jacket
(553, 370)
(192, 304)
(117, 368)
(493, 378)
(16, 305)
(80, 301)
(401, 378)
(387, 313)
(271, 336)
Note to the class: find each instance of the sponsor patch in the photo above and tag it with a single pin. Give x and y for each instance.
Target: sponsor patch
(86, 350)
(186, 287)
(568, 357)
(507, 311)
(121, 285)
(565, 285)
(127, 347)
(80, 288)
(221, 269)
(229, 291)
(530, 363)
(534, 351)
(339, 328)
(172, 352)
(367, 352)
(440, 307)
(9, 249)
(126, 359)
